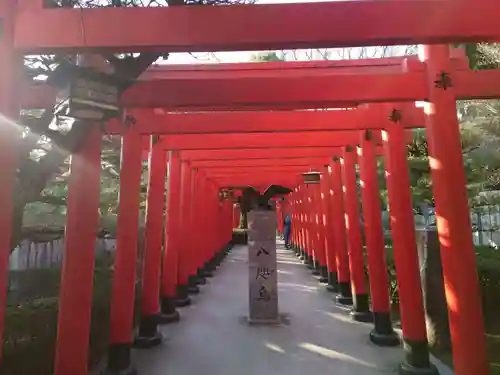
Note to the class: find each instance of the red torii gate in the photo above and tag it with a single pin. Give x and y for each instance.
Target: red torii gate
(254, 27)
(339, 88)
(30, 29)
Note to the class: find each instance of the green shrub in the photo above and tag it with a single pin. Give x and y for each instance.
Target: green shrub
(488, 269)
(33, 284)
(31, 328)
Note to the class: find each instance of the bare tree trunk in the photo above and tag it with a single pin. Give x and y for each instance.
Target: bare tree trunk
(33, 176)
(243, 220)
(436, 312)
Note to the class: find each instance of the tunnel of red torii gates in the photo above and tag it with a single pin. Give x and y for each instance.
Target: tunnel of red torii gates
(252, 125)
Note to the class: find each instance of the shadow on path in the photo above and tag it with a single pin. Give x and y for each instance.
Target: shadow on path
(213, 338)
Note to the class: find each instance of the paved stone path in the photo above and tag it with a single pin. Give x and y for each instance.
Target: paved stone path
(318, 338)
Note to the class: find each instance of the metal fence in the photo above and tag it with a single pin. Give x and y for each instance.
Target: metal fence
(31, 255)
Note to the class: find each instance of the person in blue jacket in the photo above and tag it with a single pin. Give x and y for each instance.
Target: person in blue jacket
(287, 229)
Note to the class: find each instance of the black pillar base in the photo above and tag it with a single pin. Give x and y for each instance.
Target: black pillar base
(332, 282)
(345, 294)
(323, 274)
(222, 254)
(183, 302)
(417, 360)
(201, 280)
(361, 309)
(316, 268)
(168, 318)
(192, 285)
(208, 274)
(207, 271)
(309, 261)
(193, 289)
(146, 342)
(201, 276)
(215, 262)
(168, 312)
(119, 361)
(148, 335)
(383, 334)
(182, 299)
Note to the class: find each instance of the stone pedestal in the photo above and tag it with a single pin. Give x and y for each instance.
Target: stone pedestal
(262, 270)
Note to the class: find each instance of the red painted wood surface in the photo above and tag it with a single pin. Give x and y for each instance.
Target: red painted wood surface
(75, 295)
(150, 121)
(353, 225)
(403, 234)
(123, 290)
(153, 232)
(254, 27)
(331, 91)
(454, 226)
(9, 140)
(172, 230)
(338, 211)
(259, 140)
(213, 164)
(374, 235)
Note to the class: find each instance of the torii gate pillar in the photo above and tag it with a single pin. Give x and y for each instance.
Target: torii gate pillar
(148, 334)
(361, 306)
(405, 253)
(383, 334)
(123, 290)
(453, 220)
(339, 236)
(172, 239)
(9, 136)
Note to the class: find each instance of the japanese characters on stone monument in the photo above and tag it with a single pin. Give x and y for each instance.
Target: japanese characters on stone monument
(263, 280)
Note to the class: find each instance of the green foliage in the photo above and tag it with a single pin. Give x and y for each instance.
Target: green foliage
(32, 285)
(480, 132)
(30, 327)
(488, 268)
(266, 57)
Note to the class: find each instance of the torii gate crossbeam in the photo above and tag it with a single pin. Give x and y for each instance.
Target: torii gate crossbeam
(323, 91)
(254, 27)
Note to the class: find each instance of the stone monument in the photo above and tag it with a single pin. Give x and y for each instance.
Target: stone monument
(262, 270)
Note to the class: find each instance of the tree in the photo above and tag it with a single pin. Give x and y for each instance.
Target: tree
(47, 142)
(480, 131)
